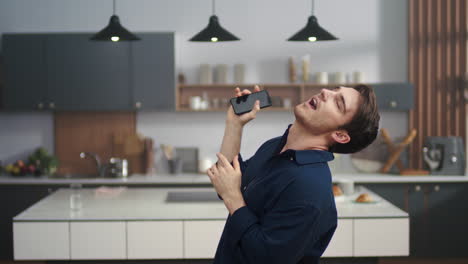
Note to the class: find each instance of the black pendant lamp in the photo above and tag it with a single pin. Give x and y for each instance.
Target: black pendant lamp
(114, 31)
(312, 31)
(214, 32)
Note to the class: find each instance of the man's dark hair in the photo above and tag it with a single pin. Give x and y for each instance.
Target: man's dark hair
(364, 126)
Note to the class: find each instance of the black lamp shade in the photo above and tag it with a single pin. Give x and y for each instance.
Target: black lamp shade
(214, 32)
(312, 32)
(114, 32)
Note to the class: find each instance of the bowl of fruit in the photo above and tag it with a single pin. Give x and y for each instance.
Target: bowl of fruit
(40, 162)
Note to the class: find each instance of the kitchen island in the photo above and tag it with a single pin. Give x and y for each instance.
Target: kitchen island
(196, 179)
(165, 223)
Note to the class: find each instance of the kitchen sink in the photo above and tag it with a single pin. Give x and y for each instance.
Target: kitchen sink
(185, 196)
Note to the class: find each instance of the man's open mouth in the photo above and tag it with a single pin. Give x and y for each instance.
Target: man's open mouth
(313, 103)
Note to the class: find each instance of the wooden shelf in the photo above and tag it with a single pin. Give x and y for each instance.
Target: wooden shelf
(390, 96)
(223, 92)
(274, 109)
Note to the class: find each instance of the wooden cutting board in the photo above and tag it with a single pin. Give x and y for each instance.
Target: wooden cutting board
(130, 146)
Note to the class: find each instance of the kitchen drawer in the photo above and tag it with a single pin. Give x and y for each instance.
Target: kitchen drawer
(98, 240)
(381, 237)
(341, 244)
(155, 240)
(41, 240)
(201, 238)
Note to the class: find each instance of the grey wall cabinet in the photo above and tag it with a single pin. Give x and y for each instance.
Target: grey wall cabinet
(153, 71)
(69, 72)
(394, 96)
(87, 75)
(24, 71)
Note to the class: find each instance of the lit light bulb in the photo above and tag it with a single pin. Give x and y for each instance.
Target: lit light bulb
(115, 38)
(214, 39)
(312, 38)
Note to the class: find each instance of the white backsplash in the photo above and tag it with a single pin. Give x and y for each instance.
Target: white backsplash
(205, 131)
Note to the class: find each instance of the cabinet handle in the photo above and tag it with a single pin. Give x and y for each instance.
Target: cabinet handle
(138, 105)
(436, 188)
(453, 159)
(393, 104)
(52, 105)
(40, 105)
(417, 188)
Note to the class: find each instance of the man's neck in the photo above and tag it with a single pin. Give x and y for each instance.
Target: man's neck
(300, 139)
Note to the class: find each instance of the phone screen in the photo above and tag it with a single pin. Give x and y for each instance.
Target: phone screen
(244, 104)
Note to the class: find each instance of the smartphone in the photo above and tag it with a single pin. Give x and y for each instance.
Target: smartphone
(244, 104)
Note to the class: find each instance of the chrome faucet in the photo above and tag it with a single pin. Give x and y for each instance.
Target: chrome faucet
(99, 166)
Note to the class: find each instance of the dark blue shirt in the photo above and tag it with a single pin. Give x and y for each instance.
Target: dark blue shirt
(290, 215)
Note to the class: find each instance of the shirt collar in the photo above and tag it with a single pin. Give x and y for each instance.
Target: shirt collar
(303, 156)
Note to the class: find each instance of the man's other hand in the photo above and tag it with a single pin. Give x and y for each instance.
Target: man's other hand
(226, 180)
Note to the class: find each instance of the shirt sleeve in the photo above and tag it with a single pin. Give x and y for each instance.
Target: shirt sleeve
(243, 163)
(280, 237)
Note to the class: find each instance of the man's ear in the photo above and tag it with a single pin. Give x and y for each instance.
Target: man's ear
(341, 136)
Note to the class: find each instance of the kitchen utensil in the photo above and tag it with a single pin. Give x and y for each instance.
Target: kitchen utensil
(205, 75)
(221, 73)
(149, 153)
(401, 167)
(189, 159)
(168, 151)
(239, 73)
(130, 146)
(322, 78)
(444, 155)
(117, 168)
(371, 159)
(175, 166)
(397, 151)
(292, 70)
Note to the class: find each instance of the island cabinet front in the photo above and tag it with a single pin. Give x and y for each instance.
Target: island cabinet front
(341, 244)
(97, 240)
(41, 240)
(155, 239)
(201, 238)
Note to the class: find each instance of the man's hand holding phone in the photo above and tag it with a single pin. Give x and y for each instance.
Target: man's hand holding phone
(243, 118)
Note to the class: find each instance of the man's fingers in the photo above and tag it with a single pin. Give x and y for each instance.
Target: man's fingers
(246, 91)
(210, 173)
(214, 169)
(255, 109)
(256, 88)
(238, 92)
(223, 160)
(236, 163)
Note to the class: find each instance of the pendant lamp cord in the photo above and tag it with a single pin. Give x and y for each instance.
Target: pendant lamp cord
(113, 7)
(213, 6)
(312, 7)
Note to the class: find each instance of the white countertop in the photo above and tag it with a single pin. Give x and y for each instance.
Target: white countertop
(202, 179)
(150, 204)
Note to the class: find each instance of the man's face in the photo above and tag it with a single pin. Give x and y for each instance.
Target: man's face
(328, 110)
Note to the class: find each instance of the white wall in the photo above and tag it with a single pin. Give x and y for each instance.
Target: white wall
(373, 39)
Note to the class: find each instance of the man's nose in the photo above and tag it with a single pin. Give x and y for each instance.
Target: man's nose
(325, 93)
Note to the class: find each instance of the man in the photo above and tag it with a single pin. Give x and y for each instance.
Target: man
(280, 201)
